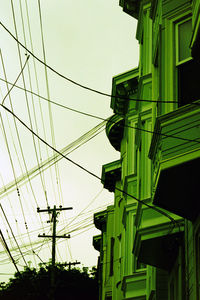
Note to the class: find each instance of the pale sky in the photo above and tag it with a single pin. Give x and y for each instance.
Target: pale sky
(89, 42)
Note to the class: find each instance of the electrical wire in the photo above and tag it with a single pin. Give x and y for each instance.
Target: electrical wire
(17, 132)
(49, 105)
(87, 171)
(26, 96)
(90, 212)
(28, 109)
(57, 171)
(16, 79)
(49, 162)
(8, 251)
(91, 202)
(126, 126)
(12, 232)
(13, 170)
(34, 112)
(75, 82)
(37, 85)
(83, 226)
(4, 133)
(54, 102)
(76, 227)
(108, 119)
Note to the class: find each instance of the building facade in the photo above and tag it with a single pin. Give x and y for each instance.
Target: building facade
(150, 237)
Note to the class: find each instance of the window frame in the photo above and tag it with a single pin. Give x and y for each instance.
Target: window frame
(197, 259)
(177, 52)
(112, 243)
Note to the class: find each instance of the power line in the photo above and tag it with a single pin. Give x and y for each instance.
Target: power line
(53, 102)
(75, 82)
(23, 78)
(22, 179)
(16, 129)
(4, 133)
(34, 112)
(57, 172)
(19, 141)
(12, 232)
(16, 79)
(84, 169)
(107, 119)
(7, 249)
(93, 199)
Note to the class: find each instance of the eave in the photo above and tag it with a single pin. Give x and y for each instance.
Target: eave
(97, 242)
(123, 87)
(134, 286)
(100, 219)
(111, 173)
(158, 245)
(130, 7)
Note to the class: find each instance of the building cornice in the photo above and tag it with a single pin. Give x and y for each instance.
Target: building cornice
(111, 173)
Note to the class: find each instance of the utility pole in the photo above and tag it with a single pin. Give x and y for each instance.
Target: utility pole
(69, 264)
(54, 213)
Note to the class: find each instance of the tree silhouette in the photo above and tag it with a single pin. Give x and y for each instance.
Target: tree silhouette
(70, 284)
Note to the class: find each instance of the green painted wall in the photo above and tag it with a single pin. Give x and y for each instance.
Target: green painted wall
(152, 256)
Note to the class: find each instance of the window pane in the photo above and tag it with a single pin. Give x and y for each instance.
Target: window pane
(188, 78)
(184, 36)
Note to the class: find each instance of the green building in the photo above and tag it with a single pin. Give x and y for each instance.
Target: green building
(150, 237)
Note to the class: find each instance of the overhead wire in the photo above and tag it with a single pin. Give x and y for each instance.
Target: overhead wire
(91, 173)
(16, 222)
(78, 227)
(33, 106)
(17, 131)
(23, 78)
(7, 249)
(16, 79)
(75, 82)
(57, 172)
(18, 192)
(82, 215)
(135, 128)
(13, 170)
(12, 209)
(18, 247)
(91, 202)
(110, 121)
(37, 84)
(154, 208)
(49, 162)
(49, 104)
(56, 103)
(26, 96)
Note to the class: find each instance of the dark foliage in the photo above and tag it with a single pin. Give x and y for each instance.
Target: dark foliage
(69, 284)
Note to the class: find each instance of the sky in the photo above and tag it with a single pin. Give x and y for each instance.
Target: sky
(89, 42)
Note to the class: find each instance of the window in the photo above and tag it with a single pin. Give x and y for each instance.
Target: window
(184, 34)
(188, 69)
(175, 282)
(140, 265)
(112, 241)
(197, 241)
